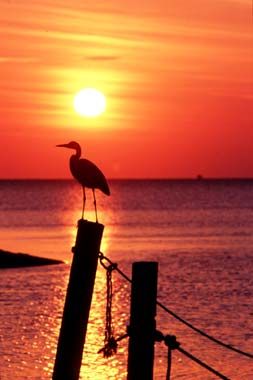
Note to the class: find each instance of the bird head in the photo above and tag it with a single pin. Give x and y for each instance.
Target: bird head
(72, 145)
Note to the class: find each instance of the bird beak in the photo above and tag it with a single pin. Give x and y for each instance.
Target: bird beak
(62, 145)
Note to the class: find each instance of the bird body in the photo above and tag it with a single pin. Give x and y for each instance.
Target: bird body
(86, 173)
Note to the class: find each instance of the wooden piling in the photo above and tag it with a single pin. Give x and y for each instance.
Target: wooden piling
(142, 321)
(78, 301)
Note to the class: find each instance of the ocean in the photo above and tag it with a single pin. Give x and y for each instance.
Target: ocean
(199, 231)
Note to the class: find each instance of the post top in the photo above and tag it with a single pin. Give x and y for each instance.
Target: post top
(85, 222)
(145, 264)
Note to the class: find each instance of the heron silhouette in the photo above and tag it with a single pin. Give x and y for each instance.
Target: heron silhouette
(86, 173)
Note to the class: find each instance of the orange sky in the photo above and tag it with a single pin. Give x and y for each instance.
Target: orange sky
(177, 75)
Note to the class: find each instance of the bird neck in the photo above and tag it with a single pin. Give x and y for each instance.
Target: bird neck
(78, 152)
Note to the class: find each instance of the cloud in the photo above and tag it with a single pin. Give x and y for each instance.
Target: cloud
(101, 57)
(9, 59)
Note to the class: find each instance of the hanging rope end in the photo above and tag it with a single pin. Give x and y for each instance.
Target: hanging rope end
(110, 348)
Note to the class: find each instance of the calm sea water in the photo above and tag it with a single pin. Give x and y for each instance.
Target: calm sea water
(200, 232)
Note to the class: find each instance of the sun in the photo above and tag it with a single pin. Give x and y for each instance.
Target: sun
(89, 102)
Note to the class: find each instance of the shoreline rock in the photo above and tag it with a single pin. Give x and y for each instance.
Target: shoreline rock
(19, 260)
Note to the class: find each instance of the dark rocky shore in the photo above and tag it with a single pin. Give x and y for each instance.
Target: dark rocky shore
(17, 260)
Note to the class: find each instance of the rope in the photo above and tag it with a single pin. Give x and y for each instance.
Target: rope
(169, 361)
(103, 257)
(172, 344)
(188, 324)
(202, 364)
(110, 343)
(217, 341)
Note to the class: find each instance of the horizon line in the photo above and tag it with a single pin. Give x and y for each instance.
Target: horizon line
(196, 178)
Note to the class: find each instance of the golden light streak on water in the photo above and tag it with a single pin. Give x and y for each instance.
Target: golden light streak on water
(94, 363)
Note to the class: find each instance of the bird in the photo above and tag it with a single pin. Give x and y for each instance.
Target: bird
(86, 173)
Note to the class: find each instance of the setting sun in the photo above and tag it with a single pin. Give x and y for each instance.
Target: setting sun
(89, 102)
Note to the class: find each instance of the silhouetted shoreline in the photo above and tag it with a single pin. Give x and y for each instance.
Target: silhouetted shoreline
(19, 260)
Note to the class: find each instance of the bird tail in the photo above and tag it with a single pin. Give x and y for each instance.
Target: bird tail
(106, 189)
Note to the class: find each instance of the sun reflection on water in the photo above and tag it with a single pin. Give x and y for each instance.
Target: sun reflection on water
(94, 366)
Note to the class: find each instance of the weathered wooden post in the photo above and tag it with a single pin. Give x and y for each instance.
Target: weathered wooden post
(78, 301)
(142, 321)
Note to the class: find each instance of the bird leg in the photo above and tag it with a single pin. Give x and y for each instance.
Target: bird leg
(95, 204)
(84, 200)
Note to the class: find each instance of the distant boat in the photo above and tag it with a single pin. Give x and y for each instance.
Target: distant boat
(199, 177)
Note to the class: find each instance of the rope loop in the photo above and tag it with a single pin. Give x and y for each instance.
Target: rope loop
(159, 337)
(171, 342)
(101, 255)
(101, 258)
(110, 267)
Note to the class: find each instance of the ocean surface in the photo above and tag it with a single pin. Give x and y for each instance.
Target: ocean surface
(199, 231)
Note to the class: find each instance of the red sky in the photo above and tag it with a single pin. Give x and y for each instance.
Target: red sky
(177, 75)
